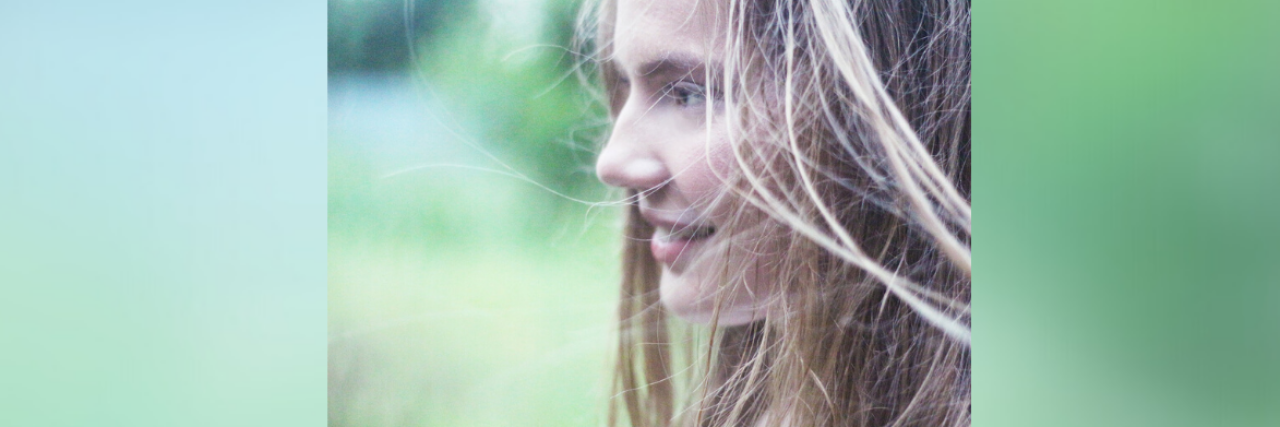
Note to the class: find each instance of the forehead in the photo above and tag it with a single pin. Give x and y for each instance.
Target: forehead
(652, 29)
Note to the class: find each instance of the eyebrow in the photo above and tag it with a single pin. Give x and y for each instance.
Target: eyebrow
(672, 63)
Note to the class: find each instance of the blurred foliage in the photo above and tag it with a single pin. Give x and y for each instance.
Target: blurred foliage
(536, 114)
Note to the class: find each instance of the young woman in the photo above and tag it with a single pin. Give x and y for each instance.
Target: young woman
(799, 181)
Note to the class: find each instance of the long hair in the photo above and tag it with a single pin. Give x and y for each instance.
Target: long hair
(850, 122)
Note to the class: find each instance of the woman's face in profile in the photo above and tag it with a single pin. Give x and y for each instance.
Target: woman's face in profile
(673, 150)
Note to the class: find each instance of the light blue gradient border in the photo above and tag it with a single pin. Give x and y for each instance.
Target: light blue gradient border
(162, 213)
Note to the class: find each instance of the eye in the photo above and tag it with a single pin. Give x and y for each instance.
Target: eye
(688, 94)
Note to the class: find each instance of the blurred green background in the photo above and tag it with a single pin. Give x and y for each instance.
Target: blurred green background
(471, 281)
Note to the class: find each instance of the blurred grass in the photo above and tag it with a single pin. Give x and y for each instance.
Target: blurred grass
(450, 304)
(468, 322)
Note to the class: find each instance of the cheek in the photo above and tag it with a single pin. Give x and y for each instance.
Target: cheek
(739, 271)
(703, 166)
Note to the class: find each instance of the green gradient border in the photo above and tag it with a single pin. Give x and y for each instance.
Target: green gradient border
(1124, 173)
(162, 235)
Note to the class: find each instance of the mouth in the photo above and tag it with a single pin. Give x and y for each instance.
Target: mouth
(675, 241)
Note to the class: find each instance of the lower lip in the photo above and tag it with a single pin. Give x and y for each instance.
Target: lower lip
(669, 251)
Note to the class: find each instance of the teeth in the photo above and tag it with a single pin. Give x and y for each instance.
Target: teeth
(688, 233)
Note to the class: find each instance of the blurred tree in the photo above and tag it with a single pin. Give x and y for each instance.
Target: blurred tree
(375, 35)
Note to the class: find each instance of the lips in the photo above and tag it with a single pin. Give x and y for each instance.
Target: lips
(675, 241)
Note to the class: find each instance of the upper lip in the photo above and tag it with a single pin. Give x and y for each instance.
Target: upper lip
(687, 219)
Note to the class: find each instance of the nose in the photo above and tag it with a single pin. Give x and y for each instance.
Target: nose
(630, 158)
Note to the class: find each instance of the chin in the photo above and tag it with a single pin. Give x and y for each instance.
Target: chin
(692, 298)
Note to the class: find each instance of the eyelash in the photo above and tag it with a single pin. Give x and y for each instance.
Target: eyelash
(680, 92)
